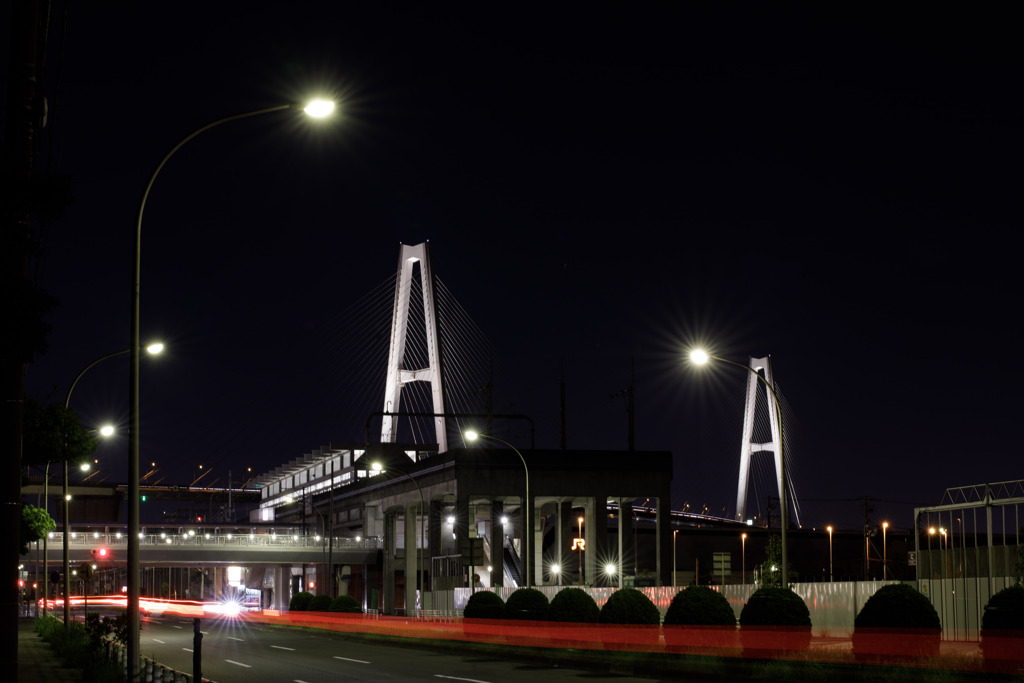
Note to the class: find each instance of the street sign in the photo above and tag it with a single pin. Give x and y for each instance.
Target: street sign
(912, 558)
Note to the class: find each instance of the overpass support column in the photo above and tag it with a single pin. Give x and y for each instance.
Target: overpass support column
(411, 556)
(497, 542)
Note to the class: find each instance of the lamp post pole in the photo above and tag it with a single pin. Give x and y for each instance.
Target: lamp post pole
(743, 556)
(829, 554)
(66, 486)
(133, 383)
(527, 528)
(885, 525)
(700, 358)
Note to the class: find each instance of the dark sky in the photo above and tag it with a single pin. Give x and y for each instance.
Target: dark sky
(600, 183)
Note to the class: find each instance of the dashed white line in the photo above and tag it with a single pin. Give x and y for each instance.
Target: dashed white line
(231, 661)
(241, 640)
(186, 649)
(282, 647)
(157, 640)
(175, 626)
(346, 659)
(456, 678)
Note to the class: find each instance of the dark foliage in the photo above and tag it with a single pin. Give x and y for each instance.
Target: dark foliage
(775, 607)
(897, 606)
(699, 605)
(527, 603)
(1005, 610)
(575, 605)
(346, 604)
(484, 605)
(629, 606)
(300, 602)
(320, 603)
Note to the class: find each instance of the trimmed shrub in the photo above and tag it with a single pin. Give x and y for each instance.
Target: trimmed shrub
(1002, 629)
(699, 605)
(346, 604)
(629, 606)
(300, 602)
(775, 607)
(575, 605)
(896, 625)
(897, 605)
(1005, 610)
(320, 603)
(774, 620)
(527, 603)
(484, 605)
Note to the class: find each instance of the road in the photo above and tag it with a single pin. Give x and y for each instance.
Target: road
(233, 651)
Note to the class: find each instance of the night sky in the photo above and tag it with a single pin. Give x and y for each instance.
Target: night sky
(601, 184)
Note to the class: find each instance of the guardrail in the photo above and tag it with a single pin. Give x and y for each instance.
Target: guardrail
(187, 539)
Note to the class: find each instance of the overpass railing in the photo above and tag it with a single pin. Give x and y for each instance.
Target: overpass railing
(191, 538)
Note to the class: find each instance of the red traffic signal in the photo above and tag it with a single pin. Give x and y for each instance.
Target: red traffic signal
(101, 553)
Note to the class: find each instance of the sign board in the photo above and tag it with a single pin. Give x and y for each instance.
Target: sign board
(579, 544)
(723, 562)
(472, 550)
(912, 558)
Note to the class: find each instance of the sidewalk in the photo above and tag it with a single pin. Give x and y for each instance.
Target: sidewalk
(36, 661)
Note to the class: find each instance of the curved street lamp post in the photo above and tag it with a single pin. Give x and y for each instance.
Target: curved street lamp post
(378, 467)
(316, 109)
(527, 529)
(153, 349)
(699, 357)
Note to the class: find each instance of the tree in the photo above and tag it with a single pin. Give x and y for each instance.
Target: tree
(53, 433)
(770, 570)
(35, 523)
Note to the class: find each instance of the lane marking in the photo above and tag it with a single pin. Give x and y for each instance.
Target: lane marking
(186, 649)
(282, 647)
(456, 678)
(241, 640)
(231, 661)
(346, 659)
(174, 626)
(157, 640)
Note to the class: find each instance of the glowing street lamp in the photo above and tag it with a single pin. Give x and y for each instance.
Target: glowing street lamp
(527, 529)
(378, 467)
(133, 379)
(829, 529)
(885, 525)
(743, 555)
(701, 357)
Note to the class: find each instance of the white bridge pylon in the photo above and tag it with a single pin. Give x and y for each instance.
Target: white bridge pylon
(398, 375)
(748, 447)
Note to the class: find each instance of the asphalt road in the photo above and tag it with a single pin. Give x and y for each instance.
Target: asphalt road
(236, 652)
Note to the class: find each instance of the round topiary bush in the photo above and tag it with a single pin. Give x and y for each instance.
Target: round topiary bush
(527, 603)
(484, 605)
(775, 607)
(300, 602)
(774, 620)
(346, 604)
(896, 610)
(629, 606)
(575, 605)
(699, 618)
(1002, 630)
(320, 603)
(699, 605)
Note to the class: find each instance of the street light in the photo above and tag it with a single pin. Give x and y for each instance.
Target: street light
(743, 556)
(829, 553)
(700, 357)
(316, 111)
(885, 525)
(153, 349)
(527, 529)
(378, 467)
